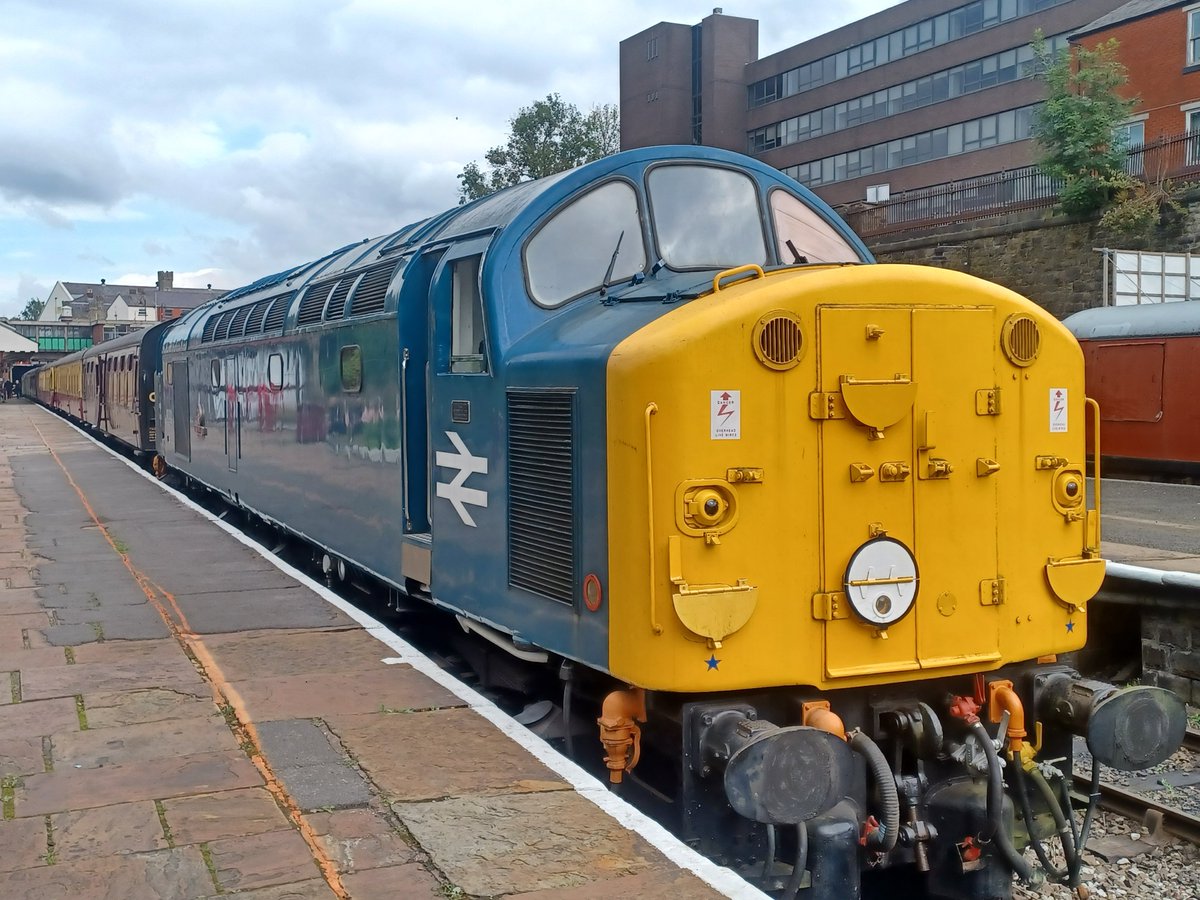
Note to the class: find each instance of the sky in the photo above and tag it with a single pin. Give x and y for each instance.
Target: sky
(225, 140)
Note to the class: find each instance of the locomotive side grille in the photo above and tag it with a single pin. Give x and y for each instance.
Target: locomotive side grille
(223, 325)
(541, 487)
(210, 329)
(1021, 339)
(371, 293)
(254, 323)
(778, 341)
(238, 325)
(313, 304)
(278, 311)
(337, 303)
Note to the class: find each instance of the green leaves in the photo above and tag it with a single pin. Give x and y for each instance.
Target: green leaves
(547, 137)
(32, 309)
(1075, 126)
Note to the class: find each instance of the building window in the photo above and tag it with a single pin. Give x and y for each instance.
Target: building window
(1193, 127)
(1000, 68)
(652, 48)
(916, 38)
(961, 137)
(1193, 48)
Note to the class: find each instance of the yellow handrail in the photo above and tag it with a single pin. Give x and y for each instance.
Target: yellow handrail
(1095, 407)
(651, 409)
(739, 270)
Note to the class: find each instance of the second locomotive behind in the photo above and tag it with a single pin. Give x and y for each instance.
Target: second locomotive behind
(804, 533)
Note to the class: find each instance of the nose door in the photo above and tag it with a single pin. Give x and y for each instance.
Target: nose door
(908, 487)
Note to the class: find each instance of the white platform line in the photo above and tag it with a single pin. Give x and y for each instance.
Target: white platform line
(721, 879)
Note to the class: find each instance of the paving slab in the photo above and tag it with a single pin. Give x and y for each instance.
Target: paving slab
(316, 889)
(178, 874)
(39, 717)
(111, 709)
(98, 747)
(425, 771)
(411, 882)
(484, 845)
(357, 839)
(21, 756)
(203, 773)
(286, 607)
(107, 831)
(227, 814)
(263, 654)
(388, 688)
(262, 860)
(67, 681)
(24, 842)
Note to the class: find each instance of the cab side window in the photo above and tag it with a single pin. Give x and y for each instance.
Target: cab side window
(468, 343)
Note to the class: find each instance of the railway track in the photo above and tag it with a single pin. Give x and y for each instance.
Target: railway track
(1138, 805)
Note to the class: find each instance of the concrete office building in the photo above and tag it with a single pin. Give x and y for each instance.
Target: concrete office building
(923, 93)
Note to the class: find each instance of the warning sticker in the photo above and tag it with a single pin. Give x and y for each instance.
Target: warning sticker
(1058, 409)
(726, 417)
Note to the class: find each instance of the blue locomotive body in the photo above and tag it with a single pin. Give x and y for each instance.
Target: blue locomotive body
(422, 406)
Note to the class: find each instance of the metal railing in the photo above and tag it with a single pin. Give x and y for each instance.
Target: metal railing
(1000, 193)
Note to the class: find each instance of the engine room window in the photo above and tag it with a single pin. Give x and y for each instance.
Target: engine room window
(351, 368)
(275, 371)
(804, 236)
(468, 344)
(571, 253)
(706, 218)
(216, 373)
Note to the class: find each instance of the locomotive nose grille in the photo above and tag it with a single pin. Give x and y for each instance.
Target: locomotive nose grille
(778, 341)
(1021, 339)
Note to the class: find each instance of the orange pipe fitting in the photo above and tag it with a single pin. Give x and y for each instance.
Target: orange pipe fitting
(817, 714)
(1001, 698)
(965, 708)
(619, 732)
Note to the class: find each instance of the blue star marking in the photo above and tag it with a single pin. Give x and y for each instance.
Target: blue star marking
(1070, 626)
(712, 662)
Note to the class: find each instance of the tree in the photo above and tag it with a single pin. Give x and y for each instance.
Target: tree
(32, 309)
(547, 137)
(1075, 126)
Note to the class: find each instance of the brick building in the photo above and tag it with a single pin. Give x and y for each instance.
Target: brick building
(1160, 47)
(922, 93)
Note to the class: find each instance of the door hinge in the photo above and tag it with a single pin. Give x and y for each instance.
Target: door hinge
(987, 402)
(822, 405)
(991, 592)
(828, 607)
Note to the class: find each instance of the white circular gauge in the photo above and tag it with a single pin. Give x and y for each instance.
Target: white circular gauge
(881, 581)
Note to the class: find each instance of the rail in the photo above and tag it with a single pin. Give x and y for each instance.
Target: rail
(1139, 807)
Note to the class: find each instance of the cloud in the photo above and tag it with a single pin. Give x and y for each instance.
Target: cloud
(232, 140)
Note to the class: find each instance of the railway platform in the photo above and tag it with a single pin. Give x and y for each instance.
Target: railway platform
(1153, 525)
(184, 717)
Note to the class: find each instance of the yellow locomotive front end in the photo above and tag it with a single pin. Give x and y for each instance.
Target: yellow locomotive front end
(846, 476)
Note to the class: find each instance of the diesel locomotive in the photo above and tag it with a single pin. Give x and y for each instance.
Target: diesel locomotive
(807, 537)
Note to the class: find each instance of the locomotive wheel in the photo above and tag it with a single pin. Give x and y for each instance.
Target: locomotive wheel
(158, 466)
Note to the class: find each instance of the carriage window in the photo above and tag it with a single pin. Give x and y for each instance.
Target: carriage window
(216, 373)
(170, 373)
(468, 345)
(275, 371)
(571, 253)
(804, 236)
(351, 368)
(706, 218)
